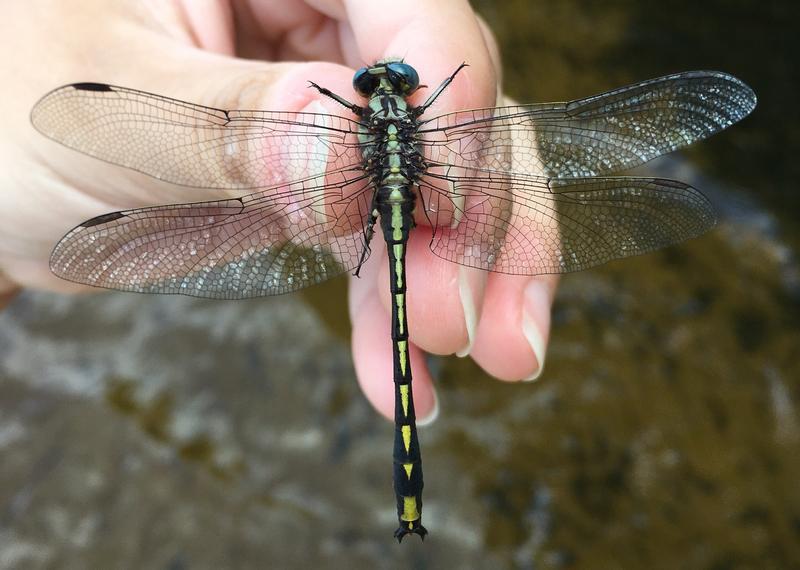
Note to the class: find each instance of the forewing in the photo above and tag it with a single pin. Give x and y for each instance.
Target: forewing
(556, 225)
(193, 145)
(261, 244)
(598, 135)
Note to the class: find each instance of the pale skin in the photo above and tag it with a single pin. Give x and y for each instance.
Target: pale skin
(245, 55)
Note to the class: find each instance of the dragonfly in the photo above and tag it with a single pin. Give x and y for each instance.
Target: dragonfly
(522, 190)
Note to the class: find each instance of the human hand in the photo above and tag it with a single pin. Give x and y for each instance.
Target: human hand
(187, 50)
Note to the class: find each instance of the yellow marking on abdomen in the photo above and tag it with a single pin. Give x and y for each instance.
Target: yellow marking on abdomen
(402, 346)
(406, 431)
(404, 398)
(397, 216)
(410, 512)
(399, 301)
(398, 263)
(408, 467)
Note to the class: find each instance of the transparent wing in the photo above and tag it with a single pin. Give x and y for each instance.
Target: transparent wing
(529, 225)
(266, 243)
(598, 135)
(193, 145)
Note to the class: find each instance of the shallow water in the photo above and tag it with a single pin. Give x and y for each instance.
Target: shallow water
(167, 432)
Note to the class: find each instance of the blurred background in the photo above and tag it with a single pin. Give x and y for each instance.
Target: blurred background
(159, 432)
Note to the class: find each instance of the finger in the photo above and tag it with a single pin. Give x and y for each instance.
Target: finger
(288, 30)
(159, 57)
(212, 25)
(193, 75)
(514, 328)
(511, 340)
(444, 299)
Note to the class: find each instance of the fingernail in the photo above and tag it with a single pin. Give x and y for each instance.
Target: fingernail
(434, 413)
(537, 302)
(470, 290)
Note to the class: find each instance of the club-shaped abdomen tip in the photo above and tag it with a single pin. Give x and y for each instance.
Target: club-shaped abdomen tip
(416, 528)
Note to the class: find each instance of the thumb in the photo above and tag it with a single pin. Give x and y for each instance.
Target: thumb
(176, 141)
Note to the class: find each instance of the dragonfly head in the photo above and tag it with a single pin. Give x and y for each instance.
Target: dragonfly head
(387, 75)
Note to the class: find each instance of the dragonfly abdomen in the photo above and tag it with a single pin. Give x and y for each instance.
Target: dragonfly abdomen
(396, 207)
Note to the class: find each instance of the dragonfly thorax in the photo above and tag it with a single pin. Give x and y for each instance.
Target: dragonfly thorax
(389, 148)
(389, 124)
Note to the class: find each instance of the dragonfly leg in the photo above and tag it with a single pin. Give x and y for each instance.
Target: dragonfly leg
(341, 100)
(421, 109)
(368, 233)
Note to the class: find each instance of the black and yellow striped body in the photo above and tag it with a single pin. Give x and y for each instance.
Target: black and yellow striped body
(396, 223)
(394, 162)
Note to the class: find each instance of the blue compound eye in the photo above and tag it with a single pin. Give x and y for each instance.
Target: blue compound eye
(364, 82)
(404, 77)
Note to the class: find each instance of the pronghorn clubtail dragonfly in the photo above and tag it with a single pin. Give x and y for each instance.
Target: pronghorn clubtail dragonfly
(522, 189)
